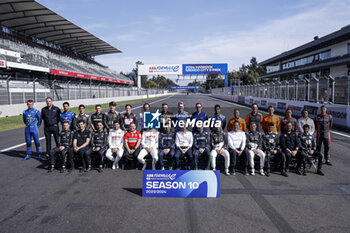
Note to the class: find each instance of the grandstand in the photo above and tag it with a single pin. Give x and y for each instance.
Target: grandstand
(42, 52)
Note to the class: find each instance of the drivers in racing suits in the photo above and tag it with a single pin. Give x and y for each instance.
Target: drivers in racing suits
(219, 147)
(149, 146)
(32, 121)
(116, 145)
(323, 133)
(254, 147)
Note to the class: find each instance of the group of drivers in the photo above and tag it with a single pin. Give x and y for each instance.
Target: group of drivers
(114, 136)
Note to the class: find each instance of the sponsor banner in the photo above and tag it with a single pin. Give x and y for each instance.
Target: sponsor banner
(188, 69)
(160, 69)
(87, 76)
(181, 183)
(182, 87)
(2, 64)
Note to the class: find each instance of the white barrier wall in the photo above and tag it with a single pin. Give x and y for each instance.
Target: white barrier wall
(17, 109)
(340, 113)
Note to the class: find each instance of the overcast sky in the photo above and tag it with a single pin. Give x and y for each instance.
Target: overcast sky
(201, 31)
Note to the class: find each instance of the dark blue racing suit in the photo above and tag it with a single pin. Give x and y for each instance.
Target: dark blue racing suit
(67, 116)
(32, 120)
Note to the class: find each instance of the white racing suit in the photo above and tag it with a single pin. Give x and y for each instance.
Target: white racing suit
(149, 140)
(115, 140)
(254, 141)
(218, 142)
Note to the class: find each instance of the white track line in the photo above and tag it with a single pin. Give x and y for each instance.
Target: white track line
(22, 144)
(242, 106)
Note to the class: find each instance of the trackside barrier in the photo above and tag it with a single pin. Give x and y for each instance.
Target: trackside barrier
(340, 113)
(17, 109)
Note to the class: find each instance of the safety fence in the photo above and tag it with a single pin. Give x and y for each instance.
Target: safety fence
(325, 89)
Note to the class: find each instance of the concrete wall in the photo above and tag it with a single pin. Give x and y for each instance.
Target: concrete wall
(17, 109)
(340, 113)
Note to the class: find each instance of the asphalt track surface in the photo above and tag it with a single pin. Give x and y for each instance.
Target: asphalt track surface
(34, 201)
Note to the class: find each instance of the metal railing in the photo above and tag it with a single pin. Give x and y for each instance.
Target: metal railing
(326, 89)
(18, 92)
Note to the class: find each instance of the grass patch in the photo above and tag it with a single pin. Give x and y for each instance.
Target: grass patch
(15, 122)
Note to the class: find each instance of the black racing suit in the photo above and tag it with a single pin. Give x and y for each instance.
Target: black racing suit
(82, 117)
(271, 142)
(51, 118)
(81, 138)
(323, 133)
(110, 118)
(166, 141)
(99, 139)
(307, 142)
(95, 118)
(165, 117)
(201, 140)
(289, 141)
(126, 119)
(65, 140)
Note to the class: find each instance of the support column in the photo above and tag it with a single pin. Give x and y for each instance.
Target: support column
(9, 97)
(34, 91)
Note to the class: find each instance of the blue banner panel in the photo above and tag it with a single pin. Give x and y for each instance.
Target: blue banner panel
(182, 87)
(180, 183)
(188, 69)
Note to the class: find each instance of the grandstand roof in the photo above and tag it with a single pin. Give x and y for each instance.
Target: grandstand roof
(318, 43)
(33, 19)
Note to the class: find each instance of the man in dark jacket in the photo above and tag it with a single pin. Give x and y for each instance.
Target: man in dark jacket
(166, 146)
(271, 147)
(51, 117)
(111, 116)
(308, 147)
(324, 123)
(201, 147)
(99, 145)
(65, 142)
(290, 144)
(98, 116)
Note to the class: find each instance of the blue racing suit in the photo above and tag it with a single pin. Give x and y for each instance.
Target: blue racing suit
(201, 140)
(67, 116)
(221, 118)
(32, 120)
(202, 116)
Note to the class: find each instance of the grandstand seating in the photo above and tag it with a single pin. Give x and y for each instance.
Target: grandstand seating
(34, 54)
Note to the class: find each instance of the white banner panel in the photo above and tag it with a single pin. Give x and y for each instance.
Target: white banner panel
(160, 69)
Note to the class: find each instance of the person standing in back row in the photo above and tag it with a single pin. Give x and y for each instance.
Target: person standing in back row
(241, 121)
(254, 116)
(98, 116)
(288, 119)
(51, 117)
(111, 116)
(271, 118)
(324, 123)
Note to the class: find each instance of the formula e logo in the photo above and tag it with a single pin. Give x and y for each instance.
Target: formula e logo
(151, 120)
(164, 68)
(175, 68)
